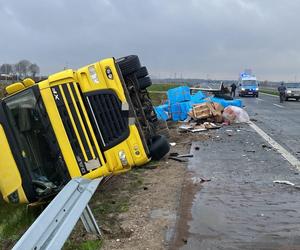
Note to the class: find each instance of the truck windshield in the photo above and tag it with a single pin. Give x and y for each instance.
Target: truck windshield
(293, 85)
(249, 83)
(36, 141)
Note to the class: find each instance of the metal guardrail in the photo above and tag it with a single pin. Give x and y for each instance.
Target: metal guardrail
(53, 227)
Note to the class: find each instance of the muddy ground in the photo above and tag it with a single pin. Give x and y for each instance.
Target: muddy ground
(138, 210)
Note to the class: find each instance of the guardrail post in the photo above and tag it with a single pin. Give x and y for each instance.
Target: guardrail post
(89, 221)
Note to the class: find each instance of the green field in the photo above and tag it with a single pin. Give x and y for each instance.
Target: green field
(163, 86)
(269, 91)
(158, 98)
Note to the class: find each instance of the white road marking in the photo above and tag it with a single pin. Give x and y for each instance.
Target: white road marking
(277, 105)
(286, 154)
(260, 99)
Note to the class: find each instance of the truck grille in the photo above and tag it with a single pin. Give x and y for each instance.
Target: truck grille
(108, 118)
(71, 109)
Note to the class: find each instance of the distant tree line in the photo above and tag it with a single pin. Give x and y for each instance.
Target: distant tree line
(22, 69)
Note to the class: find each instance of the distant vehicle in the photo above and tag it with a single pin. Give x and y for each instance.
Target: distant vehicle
(248, 85)
(292, 91)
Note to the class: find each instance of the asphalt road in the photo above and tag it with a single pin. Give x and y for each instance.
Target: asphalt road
(241, 207)
(279, 120)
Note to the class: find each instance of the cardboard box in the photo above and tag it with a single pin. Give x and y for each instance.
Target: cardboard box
(202, 111)
(208, 110)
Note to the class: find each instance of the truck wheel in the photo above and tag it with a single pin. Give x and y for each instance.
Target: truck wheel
(159, 147)
(144, 82)
(142, 72)
(129, 64)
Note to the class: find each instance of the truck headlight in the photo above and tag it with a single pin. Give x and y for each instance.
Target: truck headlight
(289, 92)
(109, 73)
(136, 150)
(256, 89)
(122, 157)
(243, 89)
(93, 74)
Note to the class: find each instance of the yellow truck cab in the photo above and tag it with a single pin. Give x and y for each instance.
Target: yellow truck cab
(92, 122)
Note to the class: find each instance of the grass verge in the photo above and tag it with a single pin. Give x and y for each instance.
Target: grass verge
(15, 219)
(163, 86)
(269, 91)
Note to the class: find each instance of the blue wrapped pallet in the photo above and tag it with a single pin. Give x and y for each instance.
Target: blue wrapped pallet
(161, 113)
(198, 97)
(179, 111)
(179, 94)
(236, 102)
(166, 107)
(226, 103)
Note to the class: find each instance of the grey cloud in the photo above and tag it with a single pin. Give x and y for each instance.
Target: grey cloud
(193, 37)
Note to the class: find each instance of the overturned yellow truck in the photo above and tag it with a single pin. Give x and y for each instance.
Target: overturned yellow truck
(92, 122)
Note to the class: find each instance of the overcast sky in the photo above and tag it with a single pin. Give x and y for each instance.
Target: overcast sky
(189, 38)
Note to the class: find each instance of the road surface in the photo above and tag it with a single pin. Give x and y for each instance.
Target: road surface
(241, 207)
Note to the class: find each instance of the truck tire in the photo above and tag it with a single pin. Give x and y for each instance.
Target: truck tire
(144, 82)
(159, 147)
(142, 72)
(129, 64)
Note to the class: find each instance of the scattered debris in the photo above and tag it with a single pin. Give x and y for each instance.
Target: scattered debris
(287, 183)
(284, 182)
(181, 156)
(177, 159)
(198, 129)
(211, 125)
(194, 127)
(199, 112)
(181, 104)
(185, 127)
(266, 146)
(197, 180)
(235, 115)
